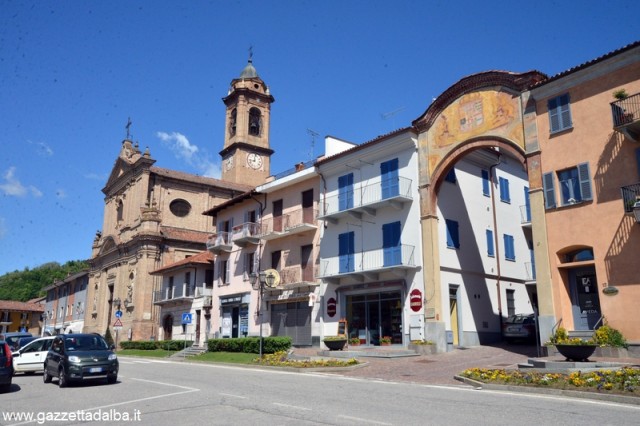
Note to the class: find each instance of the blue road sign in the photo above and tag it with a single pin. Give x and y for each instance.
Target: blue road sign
(186, 318)
(118, 314)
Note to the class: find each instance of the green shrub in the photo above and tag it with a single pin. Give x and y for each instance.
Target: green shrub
(147, 345)
(607, 336)
(250, 345)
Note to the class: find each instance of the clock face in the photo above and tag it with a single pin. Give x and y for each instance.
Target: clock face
(254, 160)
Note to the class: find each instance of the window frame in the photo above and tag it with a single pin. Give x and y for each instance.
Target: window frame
(559, 110)
(453, 233)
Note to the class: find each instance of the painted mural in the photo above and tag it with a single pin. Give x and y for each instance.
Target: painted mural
(487, 112)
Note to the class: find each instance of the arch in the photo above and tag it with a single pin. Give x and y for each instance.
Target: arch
(255, 121)
(232, 122)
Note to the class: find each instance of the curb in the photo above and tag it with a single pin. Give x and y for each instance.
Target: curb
(287, 368)
(621, 399)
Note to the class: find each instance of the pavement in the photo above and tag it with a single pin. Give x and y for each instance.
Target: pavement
(440, 369)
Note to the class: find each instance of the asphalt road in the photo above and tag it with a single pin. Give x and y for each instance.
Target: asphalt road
(162, 392)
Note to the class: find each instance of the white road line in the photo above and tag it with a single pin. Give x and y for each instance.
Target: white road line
(167, 384)
(368, 421)
(232, 395)
(295, 407)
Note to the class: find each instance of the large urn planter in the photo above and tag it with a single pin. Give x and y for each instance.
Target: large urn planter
(576, 352)
(335, 344)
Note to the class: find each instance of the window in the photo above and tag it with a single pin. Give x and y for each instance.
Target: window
(504, 190)
(255, 121)
(224, 271)
(275, 259)
(559, 113)
(346, 250)
(451, 176)
(453, 239)
(180, 208)
(345, 192)
(232, 122)
(511, 302)
(485, 183)
(574, 185)
(208, 278)
(249, 264)
(527, 206)
(490, 248)
(389, 180)
(391, 247)
(509, 248)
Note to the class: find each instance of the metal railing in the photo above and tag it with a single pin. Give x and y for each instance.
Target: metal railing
(531, 271)
(300, 217)
(525, 214)
(626, 110)
(219, 239)
(296, 274)
(630, 194)
(368, 261)
(175, 292)
(247, 229)
(365, 195)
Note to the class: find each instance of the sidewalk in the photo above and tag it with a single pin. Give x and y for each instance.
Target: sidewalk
(439, 369)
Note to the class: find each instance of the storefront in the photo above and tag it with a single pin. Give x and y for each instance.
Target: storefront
(291, 316)
(235, 315)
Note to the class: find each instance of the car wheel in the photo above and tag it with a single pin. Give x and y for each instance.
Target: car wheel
(112, 379)
(63, 382)
(46, 377)
(5, 388)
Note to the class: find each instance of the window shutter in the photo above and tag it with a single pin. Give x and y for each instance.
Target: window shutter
(585, 181)
(453, 239)
(490, 250)
(504, 190)
(228, 271)
(549, 191)
(485, 183)
(554, 119)
(565, 112)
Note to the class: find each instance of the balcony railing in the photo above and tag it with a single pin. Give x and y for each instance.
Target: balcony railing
(367, 199)
(531, 271)
(626, 116)
(630, 194)
(525, 215)
(219, 242)
(176, 292)
(246, 233)
(296, 276)
(369, 263)
(295, 222)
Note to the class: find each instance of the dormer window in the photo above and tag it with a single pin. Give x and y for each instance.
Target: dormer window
(255, 121)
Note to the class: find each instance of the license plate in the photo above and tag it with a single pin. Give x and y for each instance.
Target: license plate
(514, 328)
(95, 370)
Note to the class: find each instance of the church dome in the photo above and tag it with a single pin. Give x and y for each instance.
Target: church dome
(249, 71)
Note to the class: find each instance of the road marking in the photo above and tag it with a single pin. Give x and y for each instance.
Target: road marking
(359, 419)
(295, 407)
(232, 395)
(167, 384)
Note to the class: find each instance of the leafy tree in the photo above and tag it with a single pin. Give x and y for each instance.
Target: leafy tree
(28, 283)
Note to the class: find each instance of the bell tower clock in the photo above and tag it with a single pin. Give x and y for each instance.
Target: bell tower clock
(246, 154)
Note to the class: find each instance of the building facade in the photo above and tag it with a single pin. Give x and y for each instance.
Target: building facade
(66, 304)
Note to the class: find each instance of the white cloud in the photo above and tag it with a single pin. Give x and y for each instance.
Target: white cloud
(12, 186)
(190, 153)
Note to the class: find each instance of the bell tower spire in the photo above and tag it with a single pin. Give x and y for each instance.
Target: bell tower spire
(246, 156)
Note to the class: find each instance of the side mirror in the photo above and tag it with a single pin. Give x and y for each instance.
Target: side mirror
(112, 347)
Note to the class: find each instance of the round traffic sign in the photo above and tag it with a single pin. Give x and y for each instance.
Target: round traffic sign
(118, 313)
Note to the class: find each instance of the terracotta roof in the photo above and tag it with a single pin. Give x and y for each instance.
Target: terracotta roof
(204, 258)
(587, 64)
(235, 200)
(184, 234)
(173, 174)
(15, 306)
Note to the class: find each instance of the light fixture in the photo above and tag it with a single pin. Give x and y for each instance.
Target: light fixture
(117, 302)
(636, 210)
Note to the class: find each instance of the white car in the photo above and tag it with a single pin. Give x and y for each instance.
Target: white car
(30, 358)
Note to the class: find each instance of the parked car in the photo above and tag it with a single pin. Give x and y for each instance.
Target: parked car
(519, 327)
(13, 338)
(78, 357)
(23, 341)
(6, 368)
(30, 358)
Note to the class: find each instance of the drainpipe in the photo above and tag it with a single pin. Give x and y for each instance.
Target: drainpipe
(495, 236)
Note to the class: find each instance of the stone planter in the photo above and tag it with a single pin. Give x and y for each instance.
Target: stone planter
(576, 352)
(423, 349)
(335, 345)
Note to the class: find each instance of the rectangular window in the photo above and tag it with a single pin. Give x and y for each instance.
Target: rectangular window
(509, 248)
(389, 181)
(559, 113)
(249, 264)
(485, 183)
(575, 184)
(453, 238)
(511, 302)
(277, 216)
(490, 249)
(504, 190)
(451, 176)
(275, 259)
(346, 250)
(391, 247)
(208, 278)
(224, 272)
(345, 192)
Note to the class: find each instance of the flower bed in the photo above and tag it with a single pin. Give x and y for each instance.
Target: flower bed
(623, 381)
(279, 359)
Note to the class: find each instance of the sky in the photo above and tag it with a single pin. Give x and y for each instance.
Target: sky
(73, 72)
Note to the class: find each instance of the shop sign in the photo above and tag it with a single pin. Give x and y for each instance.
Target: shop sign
(331, 307)
(415, 300)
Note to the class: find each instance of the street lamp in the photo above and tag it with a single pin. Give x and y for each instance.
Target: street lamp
(258, 281)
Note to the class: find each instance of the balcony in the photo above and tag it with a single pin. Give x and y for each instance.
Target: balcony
(296, 276)
(530, 268)
(630, 194)
(366, 199)
(626, 116)
(245, 234)
(296, 222)
(219, 243)
(369, 264)
(525, 216)
(180, 293)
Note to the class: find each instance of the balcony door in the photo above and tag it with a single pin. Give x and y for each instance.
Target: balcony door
(306, 262)
(391, 247)
(389, 178)
(345, 192)
(277, 216)
(346, 250)
(307, 206)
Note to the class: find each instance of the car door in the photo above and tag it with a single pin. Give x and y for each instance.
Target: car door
(31, 356)
(54, 356)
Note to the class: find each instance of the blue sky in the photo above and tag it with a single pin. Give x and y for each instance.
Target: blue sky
(72, 72)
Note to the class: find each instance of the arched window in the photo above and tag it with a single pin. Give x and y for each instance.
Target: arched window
(232, 122)
(255, 121)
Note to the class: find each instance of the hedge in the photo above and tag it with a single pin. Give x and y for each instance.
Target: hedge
(147, 345)
(250, 345)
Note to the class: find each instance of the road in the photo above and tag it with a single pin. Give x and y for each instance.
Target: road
(158, 392)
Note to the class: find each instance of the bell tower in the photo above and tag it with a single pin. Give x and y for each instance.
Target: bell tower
(246, 156)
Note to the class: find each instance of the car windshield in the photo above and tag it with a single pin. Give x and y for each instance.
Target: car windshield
(85, 343)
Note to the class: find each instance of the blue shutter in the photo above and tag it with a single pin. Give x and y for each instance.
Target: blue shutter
(549, 191)
(345, 192)
(585, 181)
(559, 113)
(490, 250)
(565, 112)
(391, 246)
(554, 119)
(504, 190)
(485, 183)
(389, 178)
(509, 249)
(346, 248)
(527, 204)
(453, 240)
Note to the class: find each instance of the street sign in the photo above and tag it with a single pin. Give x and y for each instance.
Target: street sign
(117, 325)
(186, 318)
(118, 314)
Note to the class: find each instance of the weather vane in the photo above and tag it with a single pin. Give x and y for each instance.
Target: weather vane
(127, 127)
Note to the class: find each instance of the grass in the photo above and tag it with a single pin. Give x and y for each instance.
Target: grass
(155, 353)
(229, 357)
